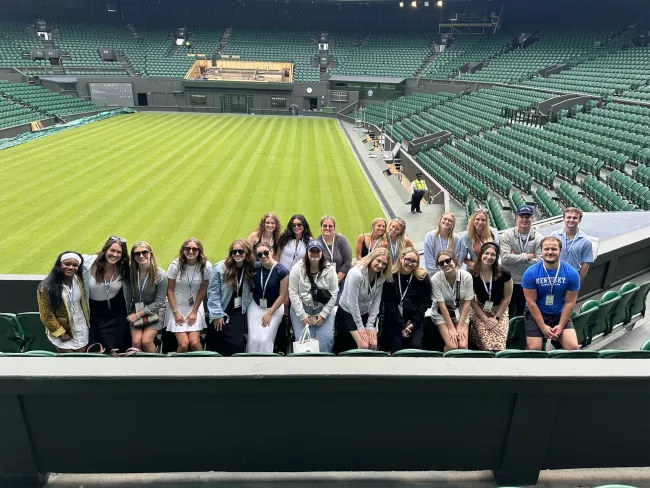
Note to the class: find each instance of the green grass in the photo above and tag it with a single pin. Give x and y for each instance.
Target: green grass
(165, 177)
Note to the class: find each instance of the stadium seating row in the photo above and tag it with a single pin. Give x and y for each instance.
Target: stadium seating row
(44, 101)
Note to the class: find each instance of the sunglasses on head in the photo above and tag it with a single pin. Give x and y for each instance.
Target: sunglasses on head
(235, 252)
(144, 253)
(118, 239)
(262, 253)
(191, 249)
(444, 262)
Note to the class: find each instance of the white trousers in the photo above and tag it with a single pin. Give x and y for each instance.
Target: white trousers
(261, 339)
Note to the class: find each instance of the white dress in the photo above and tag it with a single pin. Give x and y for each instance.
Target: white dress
(293, 252)
(191, 276)
(78, 328)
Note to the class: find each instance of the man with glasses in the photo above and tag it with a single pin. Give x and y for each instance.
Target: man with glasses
(520, 249)
(551, 289)
(576, 246)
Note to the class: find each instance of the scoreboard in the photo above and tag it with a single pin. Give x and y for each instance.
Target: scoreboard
(112, 94)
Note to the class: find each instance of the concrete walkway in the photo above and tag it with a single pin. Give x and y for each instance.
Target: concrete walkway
(390, 192)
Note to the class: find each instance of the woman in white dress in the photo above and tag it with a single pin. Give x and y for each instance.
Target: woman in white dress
(63, 306)
(188, 278)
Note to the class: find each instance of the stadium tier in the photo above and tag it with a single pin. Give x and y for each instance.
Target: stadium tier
(44, 101)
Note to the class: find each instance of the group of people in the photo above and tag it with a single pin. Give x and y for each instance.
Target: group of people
(280, 281)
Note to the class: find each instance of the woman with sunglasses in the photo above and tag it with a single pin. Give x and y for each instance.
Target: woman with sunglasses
(188, 277)
(268, 230)
(63, 306)
(108, 291)
(453, 291)
(313, 271)
(478, 233)
(336, 250)
(149, 298)
(293, 242)
(397, 238)
(493, 291)
(270, 292)
(440, 239)
(359, 305)
(229, 294)
(366, 243)
(405, 300)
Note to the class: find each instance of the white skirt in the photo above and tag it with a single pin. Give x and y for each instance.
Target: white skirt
(79, 332)
(185, 310)
(261, 339)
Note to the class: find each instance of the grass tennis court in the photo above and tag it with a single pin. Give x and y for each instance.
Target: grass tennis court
(166, 177)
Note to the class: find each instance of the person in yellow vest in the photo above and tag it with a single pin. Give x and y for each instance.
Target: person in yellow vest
(418, 188)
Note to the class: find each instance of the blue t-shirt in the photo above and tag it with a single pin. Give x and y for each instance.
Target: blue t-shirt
(272, 291)
(537, 278)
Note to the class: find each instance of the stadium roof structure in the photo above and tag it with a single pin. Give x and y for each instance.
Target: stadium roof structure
(60, 79)
(367, 79)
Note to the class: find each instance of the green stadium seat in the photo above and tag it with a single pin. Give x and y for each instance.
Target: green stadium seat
(35, 338)
(638, 303)
(606, 312)
(206, 354)
(364, 352)
(584, 322)
(467, 353)
(311, 354)
(256, 354)
(516, 334)
(565, 354)
(10, 333)
(518, 353)
(627, 293)
(417, 353)
(633, 354)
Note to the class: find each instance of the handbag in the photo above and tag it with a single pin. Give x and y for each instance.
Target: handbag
(146, 320)
(319, 295)
(305, 343)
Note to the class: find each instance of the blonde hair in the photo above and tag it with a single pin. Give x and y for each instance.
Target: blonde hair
(382, 251)
(450, 239)
(328, 217)
(398, 267)
(471, 230)
(383, 241)
(401, 238)
(152, 274)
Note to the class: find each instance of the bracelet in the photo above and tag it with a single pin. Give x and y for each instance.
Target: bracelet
(174, 311)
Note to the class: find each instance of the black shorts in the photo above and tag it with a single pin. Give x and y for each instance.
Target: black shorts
(533, 330)
(347, 320)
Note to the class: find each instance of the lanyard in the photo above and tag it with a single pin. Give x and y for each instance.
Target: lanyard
(440, 243)
(552, 285)
(331, 251)
(567, 246)
(107, 285)
(393, 250)
(189, 282)
(267, 279)
(372, 248)
(524, 244)
(452, 290)
(372, 288)
(69, 290)
(488, 291)
(399, 283)
(297, 249)
(141, 290)
(240, 281)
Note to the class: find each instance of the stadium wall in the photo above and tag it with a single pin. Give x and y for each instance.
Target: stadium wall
(12, 76)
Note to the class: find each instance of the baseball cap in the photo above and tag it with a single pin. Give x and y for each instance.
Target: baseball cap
(525, 209)
(314, 244)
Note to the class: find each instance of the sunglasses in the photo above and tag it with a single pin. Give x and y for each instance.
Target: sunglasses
(411, 261)
(445, 262)
(191, 249)
(118, 239)
(263, 253)
(236, 252)
(144, 253)
(299, 224)
(325, 226)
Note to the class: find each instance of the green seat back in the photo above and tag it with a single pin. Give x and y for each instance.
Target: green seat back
(207, 354)
(417, 353)
(646, 346)
(30, 353)
(255, 354)
(516, 334)
(588, 305)
(637, 304)
(608, 296)
(519, 353)
(622, 314)
(82, 355)
(565, 354)
(311, 354)
(35, 338)
(583, 323)
(466, 353)
(364, 352)
(633, 354)
(10, 333)
(606, 313)
(627, 287)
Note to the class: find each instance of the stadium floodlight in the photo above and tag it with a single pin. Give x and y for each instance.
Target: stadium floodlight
(401, 4)
(414, 4)
(426, 3)
(111, 7)
(439, 3)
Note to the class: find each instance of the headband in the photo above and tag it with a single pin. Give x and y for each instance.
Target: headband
(493, 244)
(71, 255)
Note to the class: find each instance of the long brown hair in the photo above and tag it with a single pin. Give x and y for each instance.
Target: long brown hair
(123, 265)
(230, 275)
(261, 228)
(200, 259)
(496, 267)
(322, 262)
(152, 274)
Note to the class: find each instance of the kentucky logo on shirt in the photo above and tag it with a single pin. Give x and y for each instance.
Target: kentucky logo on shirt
(560, 280)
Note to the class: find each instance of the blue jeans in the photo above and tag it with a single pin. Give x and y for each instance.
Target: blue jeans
(324, 332)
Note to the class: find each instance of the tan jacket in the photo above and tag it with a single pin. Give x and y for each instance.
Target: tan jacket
(57, 322)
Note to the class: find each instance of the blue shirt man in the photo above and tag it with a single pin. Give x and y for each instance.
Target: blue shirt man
(551, 289)
(576, 246)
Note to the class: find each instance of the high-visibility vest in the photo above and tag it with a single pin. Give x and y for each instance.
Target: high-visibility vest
(420, 185)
